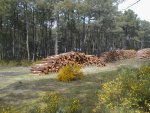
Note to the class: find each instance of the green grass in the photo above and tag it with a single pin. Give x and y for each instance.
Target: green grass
(23, 90)
(17, 63)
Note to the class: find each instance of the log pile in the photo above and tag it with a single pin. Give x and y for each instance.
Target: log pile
(143, 53)
(118, 55)
(54, 63)
(93, 60)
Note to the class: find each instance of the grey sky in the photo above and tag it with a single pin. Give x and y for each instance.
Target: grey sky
(142, 8)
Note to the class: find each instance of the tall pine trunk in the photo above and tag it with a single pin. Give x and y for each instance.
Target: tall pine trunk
(27, 33)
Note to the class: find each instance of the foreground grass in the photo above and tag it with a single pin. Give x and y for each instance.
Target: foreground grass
(22, 90)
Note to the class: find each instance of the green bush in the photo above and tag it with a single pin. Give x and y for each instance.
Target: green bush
(15, 63)
(49, 103)
(130, 90)
(5, 109)
(25, 63)
(69, 73)
(72, 106)
(52, 103)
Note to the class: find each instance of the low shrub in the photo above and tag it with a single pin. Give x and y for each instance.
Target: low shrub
(3, 63)
(25, 63)
(5, 109)
(15, 63)
(72, 106)
(52, 103)
(130, 90)
(70, 72)
(49, 103)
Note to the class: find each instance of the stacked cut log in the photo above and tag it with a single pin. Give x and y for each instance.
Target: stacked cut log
(143, 53)
(93, 60)
(118, 55)
(54, 63)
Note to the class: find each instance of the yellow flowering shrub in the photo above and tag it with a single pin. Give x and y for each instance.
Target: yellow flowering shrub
(70, 72)
(52, 103)
(73, 106)
(5, 109)
(49, 103)
(130, 90)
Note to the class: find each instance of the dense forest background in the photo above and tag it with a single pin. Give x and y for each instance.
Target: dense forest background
(33, 29)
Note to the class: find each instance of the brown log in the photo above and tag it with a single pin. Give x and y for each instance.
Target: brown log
(55, 62)
(118, 55)
(143, 53)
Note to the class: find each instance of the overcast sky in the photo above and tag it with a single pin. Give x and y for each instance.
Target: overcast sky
(142, 8)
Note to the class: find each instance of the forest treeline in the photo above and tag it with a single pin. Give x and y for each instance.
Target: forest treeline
(33, 29)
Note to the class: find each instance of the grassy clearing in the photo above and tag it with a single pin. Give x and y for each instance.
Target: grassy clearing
(22, 90)
(25, 91)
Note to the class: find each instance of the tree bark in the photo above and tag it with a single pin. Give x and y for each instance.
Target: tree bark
(27, 34)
